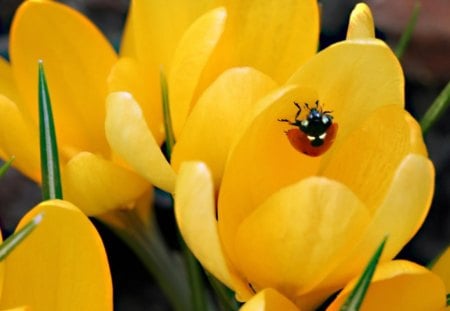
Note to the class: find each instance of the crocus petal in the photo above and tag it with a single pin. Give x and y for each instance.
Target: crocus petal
(217, 116)
(126, 75)
(287, 243)
(414, 176)
(77, 60)
(361, 24)
(23, 308)
(98, 186)
(262, 162)
(360, 77)
(62, 265)
(189, 60)
(269, 300)
(196, 217)
(289, 37)
(7, 83)
(129, 136)
(154, 28)
(442, 268)
(19, 139)
(399, 285)
(375, 149)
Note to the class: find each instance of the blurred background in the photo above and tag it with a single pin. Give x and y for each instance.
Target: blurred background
(426, 65)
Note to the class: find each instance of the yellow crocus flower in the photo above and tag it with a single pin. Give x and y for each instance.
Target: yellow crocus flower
(396, 285)
(274, 39)
(61, 265)
(77, 60)
(305, 226)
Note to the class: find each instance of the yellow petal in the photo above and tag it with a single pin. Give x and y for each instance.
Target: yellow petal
(126, 75)
(275, 39)
(299, 234)
(153, 31)
(154, 28)
(98, 186)
(353, 79)
(18, 138)
(196, 217)
(189, 60)
(129, 136)
(7, 83)
(23, 308)
(368, 158)
(77, 60)
(361, 24)
(62, 265)
(262, 162)
(215, 119)
(442, 268)
(269, 300)
(399, 216)
(399, 285)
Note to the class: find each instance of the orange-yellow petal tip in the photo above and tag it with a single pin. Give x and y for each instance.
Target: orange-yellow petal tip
(269, 300)
(361, 25)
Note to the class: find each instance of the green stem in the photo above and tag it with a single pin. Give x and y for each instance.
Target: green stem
(225, 295)
(436, 110)
(147, 244)
(195, 279)
(198, 299)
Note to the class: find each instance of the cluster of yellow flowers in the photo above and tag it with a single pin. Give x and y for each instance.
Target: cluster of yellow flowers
(283, 229)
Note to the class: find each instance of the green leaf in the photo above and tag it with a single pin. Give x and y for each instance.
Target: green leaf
(436, 110)
(12, 241)
(170, 137)
(356, 297)
(407, 34)
(194, 270)
(448, 300)
(4, 168)
(51, 179)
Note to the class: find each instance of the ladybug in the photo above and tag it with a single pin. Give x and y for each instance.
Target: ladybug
(314, 135)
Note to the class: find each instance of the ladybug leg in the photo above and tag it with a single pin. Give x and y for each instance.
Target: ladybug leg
(298, 112)
(287, 121)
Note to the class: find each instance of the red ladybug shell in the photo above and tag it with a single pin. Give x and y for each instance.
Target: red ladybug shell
(301, 143)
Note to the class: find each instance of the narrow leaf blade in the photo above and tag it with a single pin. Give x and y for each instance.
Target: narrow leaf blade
(4, 168)
(12, 241)
(358, 293)
(436, 110)
(170, 137)
(407, 34)
(51, 179)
